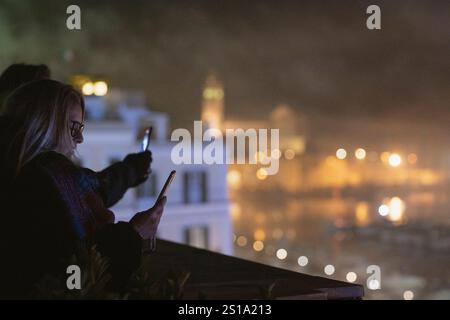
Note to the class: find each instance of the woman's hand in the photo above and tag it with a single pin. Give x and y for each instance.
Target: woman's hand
(146, 222)
(140, 164)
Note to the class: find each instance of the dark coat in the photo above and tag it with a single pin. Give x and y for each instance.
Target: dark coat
(55, 209)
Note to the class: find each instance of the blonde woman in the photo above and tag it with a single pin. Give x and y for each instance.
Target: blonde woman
(52, 208)
(116, 179)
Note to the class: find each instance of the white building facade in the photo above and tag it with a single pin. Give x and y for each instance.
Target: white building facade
(197, 212)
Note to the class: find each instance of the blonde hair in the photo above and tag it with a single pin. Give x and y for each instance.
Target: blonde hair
(39, 115)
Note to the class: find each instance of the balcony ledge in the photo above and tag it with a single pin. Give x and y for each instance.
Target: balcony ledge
(217, 276)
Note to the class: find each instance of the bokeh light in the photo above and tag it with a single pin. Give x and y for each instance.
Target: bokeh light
(329, 269)
(282, 254)
(360, 153)
(341, 154)
(302, 261)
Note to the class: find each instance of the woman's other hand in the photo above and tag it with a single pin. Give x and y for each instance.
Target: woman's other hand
(146, 222)
(140, 163)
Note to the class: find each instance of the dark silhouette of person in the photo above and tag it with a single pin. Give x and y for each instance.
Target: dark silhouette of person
(116, 179)
(18, 74)
(51, 208)
(22, 190)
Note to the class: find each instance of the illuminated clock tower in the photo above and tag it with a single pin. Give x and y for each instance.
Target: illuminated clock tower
(213, 103)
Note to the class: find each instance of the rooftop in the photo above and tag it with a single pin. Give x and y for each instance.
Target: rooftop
(217, 276)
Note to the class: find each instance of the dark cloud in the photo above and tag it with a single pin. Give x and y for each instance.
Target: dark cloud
(315, 55)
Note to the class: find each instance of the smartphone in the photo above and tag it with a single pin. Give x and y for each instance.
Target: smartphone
(151, 245)
(146, 138)
(167, 184)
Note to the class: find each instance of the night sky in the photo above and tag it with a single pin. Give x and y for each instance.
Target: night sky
(317, 56)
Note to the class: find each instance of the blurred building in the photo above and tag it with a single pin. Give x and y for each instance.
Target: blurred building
(197, 211)
(292, 142)
(319, 152)
(358, 151)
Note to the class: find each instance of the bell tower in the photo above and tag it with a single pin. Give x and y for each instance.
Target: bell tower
(213, 103)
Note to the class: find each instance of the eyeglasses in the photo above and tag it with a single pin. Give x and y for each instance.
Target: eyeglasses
(76, 128)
